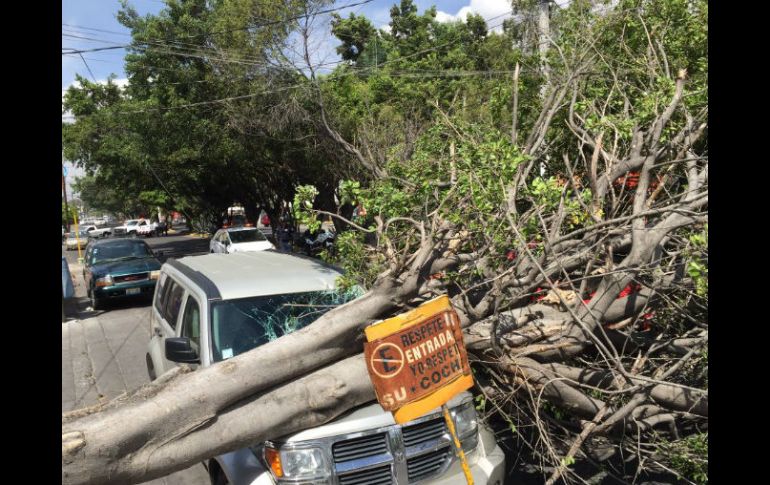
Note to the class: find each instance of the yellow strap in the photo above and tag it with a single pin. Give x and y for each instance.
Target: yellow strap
(458, 447)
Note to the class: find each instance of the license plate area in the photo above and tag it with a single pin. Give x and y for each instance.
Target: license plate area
(133, 291)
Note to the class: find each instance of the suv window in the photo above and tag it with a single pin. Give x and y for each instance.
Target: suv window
(191, 323)
(240, 325)
(160, 296)
(174, 303)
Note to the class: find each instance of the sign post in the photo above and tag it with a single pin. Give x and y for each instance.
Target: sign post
(417, 362)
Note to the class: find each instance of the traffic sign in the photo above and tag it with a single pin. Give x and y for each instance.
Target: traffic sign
(417, 360)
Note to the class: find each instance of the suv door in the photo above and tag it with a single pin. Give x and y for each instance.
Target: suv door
(165, 315)
(190, 326)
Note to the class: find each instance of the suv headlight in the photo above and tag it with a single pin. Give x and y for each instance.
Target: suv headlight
(104, 281)
(466, 425)
(297, 463)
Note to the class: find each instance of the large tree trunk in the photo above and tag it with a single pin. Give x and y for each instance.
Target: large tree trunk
(162, 433)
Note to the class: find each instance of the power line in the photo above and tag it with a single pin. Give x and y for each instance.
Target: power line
(265, 24)
(88, 67)
(331, 77)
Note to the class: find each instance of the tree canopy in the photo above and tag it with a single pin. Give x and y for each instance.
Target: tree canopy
(563, 210)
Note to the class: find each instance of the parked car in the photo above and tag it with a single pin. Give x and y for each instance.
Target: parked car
(208, 309)
(75, 238)
(146, 229)
(67, 288)
(239, 239)
(119, 268)
(131, 227)
(96, 232)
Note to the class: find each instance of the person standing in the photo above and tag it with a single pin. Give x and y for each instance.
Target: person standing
(284, 238)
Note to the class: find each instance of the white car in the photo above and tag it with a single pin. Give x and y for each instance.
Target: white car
(210, 308)
(95, 232)
(131, 227)
(239, 240)
(145, 228)
(74, 238)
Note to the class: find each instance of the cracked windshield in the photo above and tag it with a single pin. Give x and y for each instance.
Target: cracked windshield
(238, 326)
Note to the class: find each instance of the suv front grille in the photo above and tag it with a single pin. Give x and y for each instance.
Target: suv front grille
(424, 432)
(359, 448)
(429, 464)
(381, 475)
(396, 454)
(130, 277)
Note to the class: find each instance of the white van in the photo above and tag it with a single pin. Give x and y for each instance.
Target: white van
(210, 308)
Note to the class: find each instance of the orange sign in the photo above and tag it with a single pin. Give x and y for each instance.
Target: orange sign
(417, 360)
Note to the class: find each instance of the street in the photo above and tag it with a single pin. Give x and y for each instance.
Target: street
(103, 352)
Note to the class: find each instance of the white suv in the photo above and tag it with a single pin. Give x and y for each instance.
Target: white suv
(217, 306)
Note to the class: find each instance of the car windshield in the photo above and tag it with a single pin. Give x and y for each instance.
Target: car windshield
(120, 250)
(132, 223)
(80, 234)
(238, 326)
(246, 236)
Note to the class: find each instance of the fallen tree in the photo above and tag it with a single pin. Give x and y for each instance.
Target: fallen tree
(582, 294)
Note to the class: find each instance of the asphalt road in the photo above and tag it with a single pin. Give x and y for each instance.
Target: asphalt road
(103, 351)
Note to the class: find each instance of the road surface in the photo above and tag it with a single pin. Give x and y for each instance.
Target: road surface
(103, 352)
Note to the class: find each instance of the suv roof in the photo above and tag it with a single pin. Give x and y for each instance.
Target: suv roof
(241, 275)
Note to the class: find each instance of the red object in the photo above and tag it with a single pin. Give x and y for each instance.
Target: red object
(628, 290)
(265, 220)
(539, 294)
(511, 255)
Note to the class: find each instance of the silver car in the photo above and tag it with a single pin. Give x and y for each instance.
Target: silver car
(217, 306)
(239, 239)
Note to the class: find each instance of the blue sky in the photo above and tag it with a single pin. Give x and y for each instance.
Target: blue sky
(88, 24)
(80, 17)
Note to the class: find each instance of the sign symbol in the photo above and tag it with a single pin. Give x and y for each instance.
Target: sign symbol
(387, 360)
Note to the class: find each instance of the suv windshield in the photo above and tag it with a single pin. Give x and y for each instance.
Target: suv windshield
(246, 236)
(238, 326)
(119, 251)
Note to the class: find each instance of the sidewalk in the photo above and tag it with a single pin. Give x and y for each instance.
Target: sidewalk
(75, 306)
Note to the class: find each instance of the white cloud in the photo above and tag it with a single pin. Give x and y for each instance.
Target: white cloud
(494, 11)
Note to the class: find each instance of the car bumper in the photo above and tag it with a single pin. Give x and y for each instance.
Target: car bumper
(122, 290)
(487, 465)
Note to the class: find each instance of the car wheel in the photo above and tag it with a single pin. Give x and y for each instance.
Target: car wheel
(150, 368)
(96, 303)
(219, 478)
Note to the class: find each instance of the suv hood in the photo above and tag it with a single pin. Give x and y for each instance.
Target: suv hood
(127, 266)
(365, 418)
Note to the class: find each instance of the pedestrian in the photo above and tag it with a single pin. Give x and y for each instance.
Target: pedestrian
(284, 238)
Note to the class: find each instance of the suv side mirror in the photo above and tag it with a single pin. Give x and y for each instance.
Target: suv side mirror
(178, 349)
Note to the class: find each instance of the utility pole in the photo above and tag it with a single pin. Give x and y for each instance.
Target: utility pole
(543, 38)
